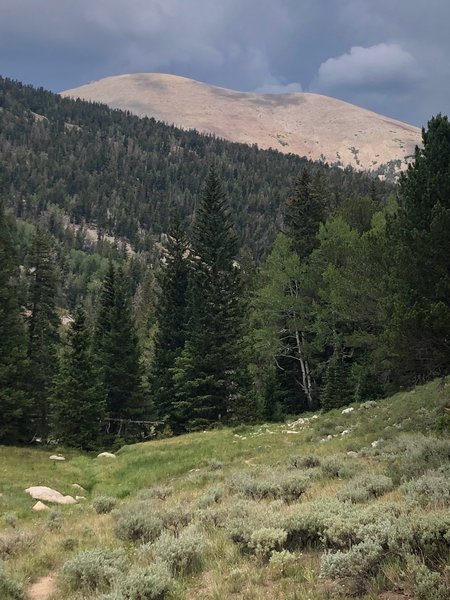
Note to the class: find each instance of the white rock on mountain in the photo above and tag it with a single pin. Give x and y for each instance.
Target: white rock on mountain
(348, 410)
(57, 457)
(311, 125)
(40, 492)
(106, 455)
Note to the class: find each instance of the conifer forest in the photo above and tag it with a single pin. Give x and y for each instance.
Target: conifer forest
(155, 281)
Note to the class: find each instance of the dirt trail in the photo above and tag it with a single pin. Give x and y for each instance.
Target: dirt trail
(43, 588)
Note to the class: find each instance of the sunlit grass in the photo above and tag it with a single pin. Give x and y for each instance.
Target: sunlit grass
(184, 463)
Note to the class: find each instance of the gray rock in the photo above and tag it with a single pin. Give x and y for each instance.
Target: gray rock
(40, 506)
(41, 492)
(78, 487)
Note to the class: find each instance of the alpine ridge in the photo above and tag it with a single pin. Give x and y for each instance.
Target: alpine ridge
(307, 124)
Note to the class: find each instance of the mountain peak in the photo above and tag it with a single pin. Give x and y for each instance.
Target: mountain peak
(318, 127)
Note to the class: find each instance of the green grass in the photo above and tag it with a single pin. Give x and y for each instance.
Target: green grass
(183, 463)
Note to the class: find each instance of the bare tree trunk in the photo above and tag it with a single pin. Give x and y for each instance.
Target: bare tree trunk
(306, 375)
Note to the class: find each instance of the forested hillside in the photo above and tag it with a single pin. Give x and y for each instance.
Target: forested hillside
(127, 175)
(256, 285)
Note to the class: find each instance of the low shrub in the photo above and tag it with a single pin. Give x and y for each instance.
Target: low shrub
(281, 561)
(426, 535)
(104, 504)
(335, 467)
(236, 580)
(428, 584)
(331, 524)
(431, 489)
(92, 570)
(244, 518)
(279, 485)
(69, 544)
(410, 456)
(9, 589)
(361, 561)
(13, 543)
(211, 497)
(365, 487)
(212, 516)
(215, 464)
(138, 523)
(174, 518)
(181, 553)
(308, 461)
(153, 582)
(158, 492)
(54, 520)
(325, 427)
(265, 540)
(10, 519)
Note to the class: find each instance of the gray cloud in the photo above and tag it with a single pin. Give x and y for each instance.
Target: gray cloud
(388, 56)
(372, 67)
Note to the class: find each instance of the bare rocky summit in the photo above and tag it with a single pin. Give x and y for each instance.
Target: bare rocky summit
(311, 125)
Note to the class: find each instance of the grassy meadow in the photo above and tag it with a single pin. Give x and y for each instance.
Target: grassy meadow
(331, 505)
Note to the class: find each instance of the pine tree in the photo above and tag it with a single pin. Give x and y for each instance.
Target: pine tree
(43, 335)
(304, 211)
(14, 403)
(117, 348)
(79, 398)
(171, 318)
(418, 300)
(335, 392)
(208, 372)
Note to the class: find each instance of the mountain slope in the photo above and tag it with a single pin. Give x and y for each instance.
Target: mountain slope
(126, 175)
(311, 125)
(223, 483)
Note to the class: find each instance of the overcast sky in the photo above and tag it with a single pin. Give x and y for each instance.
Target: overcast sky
(392, 56)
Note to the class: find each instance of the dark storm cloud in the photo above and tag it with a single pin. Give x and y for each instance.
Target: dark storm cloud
(388, 56)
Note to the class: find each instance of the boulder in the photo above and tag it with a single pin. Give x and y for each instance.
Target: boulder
(57, 457)
(348, 410)
(41, 492)
(78, 487)
(106, 455)
(40, 506)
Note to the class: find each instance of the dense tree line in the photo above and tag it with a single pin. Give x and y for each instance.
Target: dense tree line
(350, 301)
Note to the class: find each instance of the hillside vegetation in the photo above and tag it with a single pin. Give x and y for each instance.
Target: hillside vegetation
(128, 175)
(330, 505)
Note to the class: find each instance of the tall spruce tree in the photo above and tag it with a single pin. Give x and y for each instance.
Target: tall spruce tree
(14, 404)
(43, 335)
(117, 348)
(208, 372)
(303, 213)
(171, 318)
(418, 307)
(79, 397)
